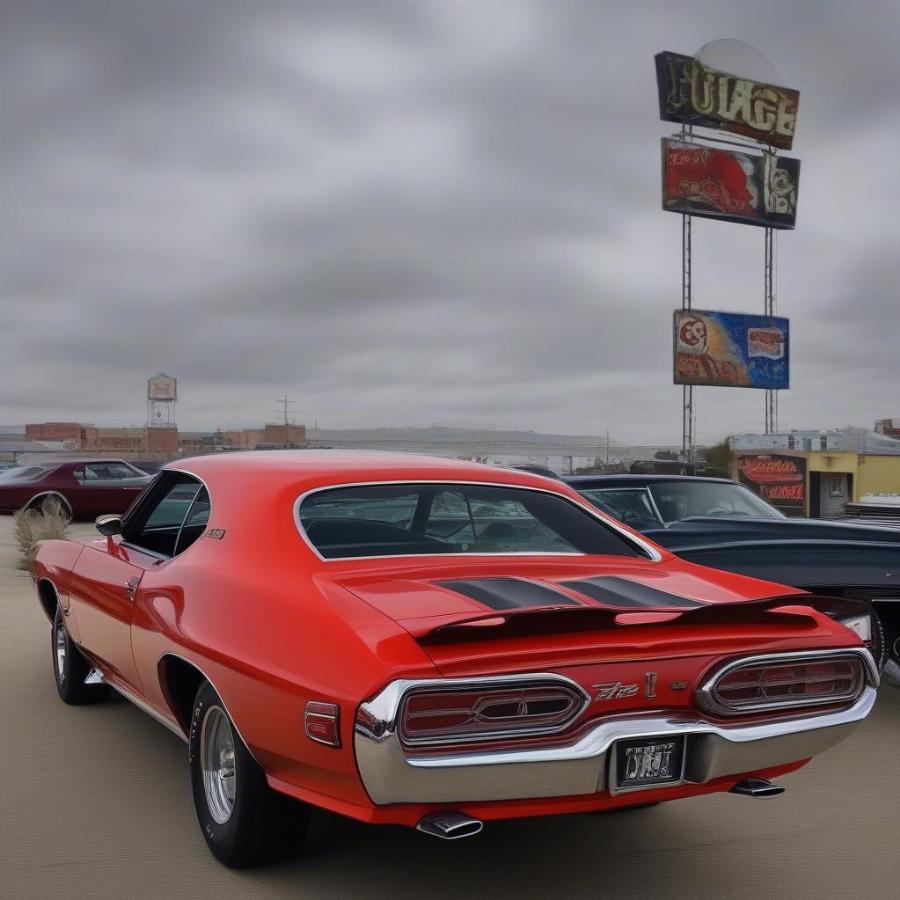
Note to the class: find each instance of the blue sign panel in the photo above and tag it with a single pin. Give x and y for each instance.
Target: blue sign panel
(731, 350)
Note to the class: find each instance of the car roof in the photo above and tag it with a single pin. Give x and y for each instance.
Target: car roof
(85, 460)
(580, 481)
(315, 468)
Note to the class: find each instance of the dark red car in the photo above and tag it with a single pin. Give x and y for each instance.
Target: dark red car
(84, 487)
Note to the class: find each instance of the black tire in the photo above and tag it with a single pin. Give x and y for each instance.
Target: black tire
(70, 668)
(244, 822)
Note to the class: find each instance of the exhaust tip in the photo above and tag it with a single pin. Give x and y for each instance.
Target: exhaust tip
(757, 787)
(450, 826)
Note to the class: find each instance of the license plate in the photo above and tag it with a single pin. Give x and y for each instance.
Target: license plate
(648, 761)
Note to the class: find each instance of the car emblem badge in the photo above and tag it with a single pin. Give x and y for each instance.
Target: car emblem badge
(618, 690)
(614, 690)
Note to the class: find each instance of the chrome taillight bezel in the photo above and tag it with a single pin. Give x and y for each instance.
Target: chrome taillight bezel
(380, 723)
(709, 701)
(496, 727)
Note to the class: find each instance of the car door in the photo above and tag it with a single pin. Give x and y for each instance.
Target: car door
(107, 577)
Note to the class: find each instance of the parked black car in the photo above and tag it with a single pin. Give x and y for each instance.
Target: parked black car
(719, 523)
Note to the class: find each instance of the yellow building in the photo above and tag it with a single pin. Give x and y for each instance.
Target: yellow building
(816, 473)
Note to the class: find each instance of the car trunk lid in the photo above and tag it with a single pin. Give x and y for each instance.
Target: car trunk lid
(549, 614)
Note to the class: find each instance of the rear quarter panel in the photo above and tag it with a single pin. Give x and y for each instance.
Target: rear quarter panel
(249, 612)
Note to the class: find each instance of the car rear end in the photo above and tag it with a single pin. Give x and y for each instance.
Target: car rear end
(561, 710)
(573, 665)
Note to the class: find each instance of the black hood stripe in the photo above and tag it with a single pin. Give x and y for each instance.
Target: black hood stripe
(509, 593)
(622, 593)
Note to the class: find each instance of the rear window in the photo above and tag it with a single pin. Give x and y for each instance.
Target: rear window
(25, 473)
(422, 519)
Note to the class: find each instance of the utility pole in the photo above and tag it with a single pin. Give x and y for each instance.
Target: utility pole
(284, 403)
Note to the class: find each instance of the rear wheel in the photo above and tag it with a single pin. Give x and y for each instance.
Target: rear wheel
(243, 820)
(50, 505)
(70, 668)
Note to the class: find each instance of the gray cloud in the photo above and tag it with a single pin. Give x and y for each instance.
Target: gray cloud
(419, 212)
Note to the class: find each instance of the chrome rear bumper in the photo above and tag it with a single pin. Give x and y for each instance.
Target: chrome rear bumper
(713, 751)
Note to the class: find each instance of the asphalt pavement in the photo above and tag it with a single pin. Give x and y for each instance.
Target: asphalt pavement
(96, 802)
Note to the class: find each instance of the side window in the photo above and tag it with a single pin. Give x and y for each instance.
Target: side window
(195, 521)
(106, 473)
(630, 506)
(96, 473)
(120, 470)
(156, 524)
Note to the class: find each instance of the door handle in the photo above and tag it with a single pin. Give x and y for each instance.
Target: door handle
(131, 586)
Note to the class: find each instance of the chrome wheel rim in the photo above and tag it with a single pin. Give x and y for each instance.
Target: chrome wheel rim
(217, 764)
(61, 649)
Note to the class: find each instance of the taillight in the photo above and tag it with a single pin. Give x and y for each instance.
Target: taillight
(449, 715)
(321, 723)
(773, 682)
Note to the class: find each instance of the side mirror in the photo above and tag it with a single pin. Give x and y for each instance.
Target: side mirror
(109, 524)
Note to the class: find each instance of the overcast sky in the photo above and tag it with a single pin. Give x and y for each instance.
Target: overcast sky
(406, 213)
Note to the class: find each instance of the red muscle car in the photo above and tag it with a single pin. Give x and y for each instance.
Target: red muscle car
(84, 487)
(434, 643)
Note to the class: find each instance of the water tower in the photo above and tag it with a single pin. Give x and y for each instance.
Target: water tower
(162, 393)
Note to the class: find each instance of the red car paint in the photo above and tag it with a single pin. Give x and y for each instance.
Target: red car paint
(85, 499)
(273, 626)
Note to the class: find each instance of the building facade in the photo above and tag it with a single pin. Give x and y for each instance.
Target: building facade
(815, 473)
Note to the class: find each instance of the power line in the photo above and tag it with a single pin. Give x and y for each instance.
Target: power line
(284, 403)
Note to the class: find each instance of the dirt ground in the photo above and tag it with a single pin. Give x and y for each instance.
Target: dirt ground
(95, 802)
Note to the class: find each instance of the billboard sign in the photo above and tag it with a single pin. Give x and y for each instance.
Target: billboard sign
(692, 94)
(731, 350)
(777, 478)
(726, 184)
(162, 387)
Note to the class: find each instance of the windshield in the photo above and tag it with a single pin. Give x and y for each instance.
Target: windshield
(677, 500)
(629, 505)
(419, 519)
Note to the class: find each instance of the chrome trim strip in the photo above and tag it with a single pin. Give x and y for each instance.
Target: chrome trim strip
(713, 751)
(144, 707)
(707, 700)
(647, 549)
(604, 735)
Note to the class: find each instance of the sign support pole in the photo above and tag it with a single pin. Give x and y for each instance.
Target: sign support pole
(687, 408)
(771, 398)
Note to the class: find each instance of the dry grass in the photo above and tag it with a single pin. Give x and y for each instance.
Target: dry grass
(35, 525)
